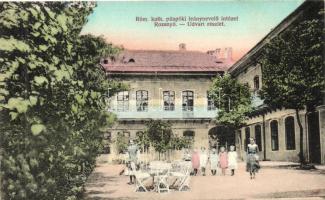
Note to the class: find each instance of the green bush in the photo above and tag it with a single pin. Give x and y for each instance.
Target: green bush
(52, 103)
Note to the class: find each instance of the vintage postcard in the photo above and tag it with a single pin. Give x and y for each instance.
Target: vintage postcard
(193, 100)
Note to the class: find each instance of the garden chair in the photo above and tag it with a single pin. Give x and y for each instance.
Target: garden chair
(183, 176)
(140, 178)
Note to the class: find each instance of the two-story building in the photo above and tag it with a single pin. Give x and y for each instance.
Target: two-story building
(167, 85)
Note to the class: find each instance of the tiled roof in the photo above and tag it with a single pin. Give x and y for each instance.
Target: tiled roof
(165, 61)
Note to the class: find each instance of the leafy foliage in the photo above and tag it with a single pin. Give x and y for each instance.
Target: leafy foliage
(232, 99)
(52, 99)
(121, 143)
(293, 67)
(160, 135)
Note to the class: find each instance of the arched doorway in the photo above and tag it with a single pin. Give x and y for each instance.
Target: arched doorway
(221, 136)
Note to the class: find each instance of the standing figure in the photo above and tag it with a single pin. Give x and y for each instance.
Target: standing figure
(223, 160)
(133, 158)
(203, 160)
(252, 165)
(195, 161)
(214, 160)
(232, 160)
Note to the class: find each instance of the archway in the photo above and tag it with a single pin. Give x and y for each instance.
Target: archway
(221, 136)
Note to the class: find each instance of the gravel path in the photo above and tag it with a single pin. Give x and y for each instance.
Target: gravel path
(106, 184)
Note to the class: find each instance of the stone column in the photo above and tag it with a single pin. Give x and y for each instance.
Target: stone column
(321, 115)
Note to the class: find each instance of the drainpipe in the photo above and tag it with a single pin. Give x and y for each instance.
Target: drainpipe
(264, 143)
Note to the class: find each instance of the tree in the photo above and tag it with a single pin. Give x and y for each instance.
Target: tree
(232, 99)
(121, 143)
(292, 67)
(52, 99)
(159, 134)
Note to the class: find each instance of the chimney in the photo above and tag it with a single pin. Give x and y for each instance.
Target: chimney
(228, 53)
(217, 53)
(182, 47)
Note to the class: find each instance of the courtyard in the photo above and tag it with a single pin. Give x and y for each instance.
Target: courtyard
(275, 180)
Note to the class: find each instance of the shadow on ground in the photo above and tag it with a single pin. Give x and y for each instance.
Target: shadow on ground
(99, 180)
(294, 194)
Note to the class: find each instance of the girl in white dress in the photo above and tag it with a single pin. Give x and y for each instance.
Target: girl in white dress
(214, 160)
(203, 160)
(232, 160)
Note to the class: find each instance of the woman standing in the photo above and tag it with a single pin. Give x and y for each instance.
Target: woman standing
(252, 158)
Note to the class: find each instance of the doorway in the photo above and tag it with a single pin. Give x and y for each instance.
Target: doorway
(221, 136)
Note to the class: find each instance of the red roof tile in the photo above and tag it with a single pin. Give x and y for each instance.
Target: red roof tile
(165, 61)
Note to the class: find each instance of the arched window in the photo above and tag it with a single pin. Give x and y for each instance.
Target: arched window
(258, 137)
(190, 136)
(247, 136)
(188, 100)
(131, 60)
(123, 101)
(142, 100)
(290, 133)
(274, 135)
(256, 83)
(169, 100)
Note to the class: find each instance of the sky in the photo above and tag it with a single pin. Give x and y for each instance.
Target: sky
(116, 21)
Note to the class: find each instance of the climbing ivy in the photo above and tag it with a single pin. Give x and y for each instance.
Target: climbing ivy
(52, 99)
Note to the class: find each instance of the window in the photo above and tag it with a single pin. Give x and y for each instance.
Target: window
(256, 83)
(210, 102)
(169, 100)
(247, 136)
(123, 101)
(188, 100)
(258, 136)
(274, 135)
(142, 100)
(190, 136)
(290, 133)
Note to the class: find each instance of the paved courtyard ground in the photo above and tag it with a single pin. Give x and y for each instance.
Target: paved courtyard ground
(275, 180)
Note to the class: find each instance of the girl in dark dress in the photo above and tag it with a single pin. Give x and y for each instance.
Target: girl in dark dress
(252, 158)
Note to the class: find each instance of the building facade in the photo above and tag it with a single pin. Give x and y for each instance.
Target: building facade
(277, 131)
(167, 85)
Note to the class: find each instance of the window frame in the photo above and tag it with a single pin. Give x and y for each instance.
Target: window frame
(122, 99)
(256, 81)
(186, 96)
(258, 139)
(292, 133)
(170, 102)
(210, 102)
(274, 135)
(142, 103)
